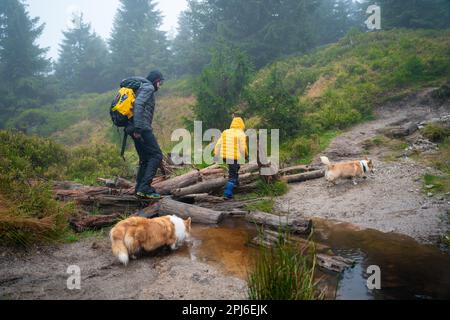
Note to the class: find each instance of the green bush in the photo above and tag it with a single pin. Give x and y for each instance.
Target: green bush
(28, 211)
(436, 132)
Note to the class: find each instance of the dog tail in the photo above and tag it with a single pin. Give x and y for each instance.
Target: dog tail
(118, 246)
(325, 161)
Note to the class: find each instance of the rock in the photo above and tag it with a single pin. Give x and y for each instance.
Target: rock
(430, 194)
(400, 131)
(430, 186)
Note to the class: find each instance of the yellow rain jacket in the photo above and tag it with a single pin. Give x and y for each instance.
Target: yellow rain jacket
(232, 144)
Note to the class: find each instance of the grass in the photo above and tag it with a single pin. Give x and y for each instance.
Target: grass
(283, 272)
(72, 237)
(436, 184)
(394, 147)
(439, 160)
(349, 79)
(302, 150)
(263, 205)
(436, 132)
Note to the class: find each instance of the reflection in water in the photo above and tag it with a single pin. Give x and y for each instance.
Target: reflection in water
(408, 270)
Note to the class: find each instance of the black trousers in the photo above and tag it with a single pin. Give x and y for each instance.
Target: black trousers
(150, 157)
(233, 172)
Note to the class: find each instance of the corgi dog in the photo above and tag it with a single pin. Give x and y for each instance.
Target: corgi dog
(135, 233)
(347, 170)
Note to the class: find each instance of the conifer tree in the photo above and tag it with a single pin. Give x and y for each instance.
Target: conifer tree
(83, 59)
(137, 45)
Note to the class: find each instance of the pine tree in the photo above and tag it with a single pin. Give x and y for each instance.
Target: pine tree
(83, 59)
(220, 86)
(23, 64)
(137, 45)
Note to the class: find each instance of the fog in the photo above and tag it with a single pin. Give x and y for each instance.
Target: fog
(100, 13)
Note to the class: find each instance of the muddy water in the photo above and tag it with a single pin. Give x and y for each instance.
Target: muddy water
(409, 270)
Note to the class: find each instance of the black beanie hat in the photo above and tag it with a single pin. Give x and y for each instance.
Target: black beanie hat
(154, 76)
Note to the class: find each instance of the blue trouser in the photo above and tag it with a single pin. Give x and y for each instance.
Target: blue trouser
(150, 157)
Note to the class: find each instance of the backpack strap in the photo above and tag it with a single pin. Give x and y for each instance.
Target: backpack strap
(124, 144)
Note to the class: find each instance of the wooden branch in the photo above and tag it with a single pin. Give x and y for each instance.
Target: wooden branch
(334, 263)
(167, 186)
(200, 198)
(304, 176)
(295, 225)
(297, 169)
(118, 183)
(93, 222)
(105, 200)
(250, 167)
(269, 237)
(203, 187)
(168, 206)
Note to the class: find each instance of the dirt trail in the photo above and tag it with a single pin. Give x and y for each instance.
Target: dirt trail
(391, 200)
(42, 274)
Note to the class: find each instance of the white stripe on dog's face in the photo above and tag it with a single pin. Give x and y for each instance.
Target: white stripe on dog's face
(180, 228)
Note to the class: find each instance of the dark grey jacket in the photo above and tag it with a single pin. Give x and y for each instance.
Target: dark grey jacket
(144, 106)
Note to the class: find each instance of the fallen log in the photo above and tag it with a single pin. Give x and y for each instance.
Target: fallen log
(334, 263)
(93, 222)
(200, 198)
(165, 187)
(297, 169)
(168, 206)
(270, 237)
(249, 167)
(202, 187)
(118, 183)
(67, 185)
(212, 172)
(295, 225)
(304, 176)
(102, 199)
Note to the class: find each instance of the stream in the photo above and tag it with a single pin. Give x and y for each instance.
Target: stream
(409, 270)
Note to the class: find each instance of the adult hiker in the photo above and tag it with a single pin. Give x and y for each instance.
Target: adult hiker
(232, 148)
(140, 129)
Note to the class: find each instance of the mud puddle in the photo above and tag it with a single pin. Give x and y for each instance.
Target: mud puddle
(409, 270)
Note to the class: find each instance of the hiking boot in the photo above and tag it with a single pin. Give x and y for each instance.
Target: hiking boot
(148, 196)
(228, 194)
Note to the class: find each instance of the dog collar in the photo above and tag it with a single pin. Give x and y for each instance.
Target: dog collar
(364, 166)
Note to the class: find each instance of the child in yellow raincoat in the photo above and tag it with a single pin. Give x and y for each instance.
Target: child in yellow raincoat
(232, 148)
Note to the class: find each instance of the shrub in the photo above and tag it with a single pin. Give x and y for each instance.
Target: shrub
(436, 132)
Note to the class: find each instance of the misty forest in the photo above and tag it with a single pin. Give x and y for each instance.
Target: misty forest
(334, 85)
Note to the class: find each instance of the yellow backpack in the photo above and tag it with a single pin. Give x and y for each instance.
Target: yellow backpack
(122, 107)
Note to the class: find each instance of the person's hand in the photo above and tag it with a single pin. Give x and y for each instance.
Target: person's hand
(137, 135)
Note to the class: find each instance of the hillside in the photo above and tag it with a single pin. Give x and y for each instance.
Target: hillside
(312, 97)
(84, 119)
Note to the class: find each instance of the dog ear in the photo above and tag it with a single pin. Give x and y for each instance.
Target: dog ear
(188, 223)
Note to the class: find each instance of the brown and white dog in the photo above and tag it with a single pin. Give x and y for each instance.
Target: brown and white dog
(347, 170)
(135, 233)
